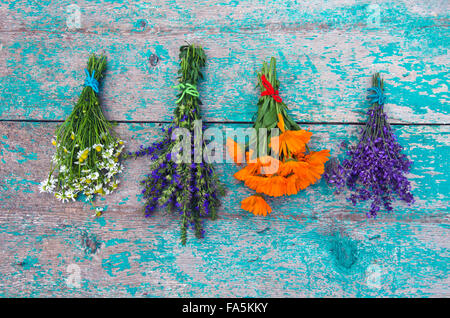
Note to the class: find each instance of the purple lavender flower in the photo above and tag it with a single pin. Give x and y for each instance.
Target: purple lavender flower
(182, 187)
(376, 167)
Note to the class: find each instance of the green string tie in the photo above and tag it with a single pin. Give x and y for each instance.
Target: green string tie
(186, 89)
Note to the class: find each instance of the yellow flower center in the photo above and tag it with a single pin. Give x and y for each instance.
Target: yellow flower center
(88, 180)
(98, 148)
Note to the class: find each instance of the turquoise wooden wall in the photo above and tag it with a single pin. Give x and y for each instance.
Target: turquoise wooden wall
(315, 243)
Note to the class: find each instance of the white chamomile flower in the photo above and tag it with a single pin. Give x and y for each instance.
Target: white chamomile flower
(108, 153)
(70, 195)
(77, 185)
(93, 176)
(118, 151)
(43, 186)
(59, 195)
(63, 169)
(86, 180)
(48, 185)
(110, 165)
(97, 147)
(99, 187)
(82, 154)
(112, 172)
(55, 159)
(115, 184)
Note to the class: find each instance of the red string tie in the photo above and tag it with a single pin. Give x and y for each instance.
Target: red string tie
(269, 90)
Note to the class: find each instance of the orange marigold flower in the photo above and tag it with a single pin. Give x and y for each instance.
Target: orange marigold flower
(235, 151)
(273, 186)
(256, 204)
(291, 141)
(291, 166)
(256, 183)
(291, 185)
(316, 167)
(277, 186)
(316, 161)
(318, 157)
(304, 180)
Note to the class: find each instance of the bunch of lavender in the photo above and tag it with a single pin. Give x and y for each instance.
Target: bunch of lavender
(190, 188)
(376, 168)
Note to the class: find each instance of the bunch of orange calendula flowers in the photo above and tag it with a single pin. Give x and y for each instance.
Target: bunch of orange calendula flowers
(291, 165)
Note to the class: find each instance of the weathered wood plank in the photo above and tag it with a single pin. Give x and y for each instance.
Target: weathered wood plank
(122, 254)
(26, 151)
(324, 69)
(26, 145)
(314, 244)
(172, 16)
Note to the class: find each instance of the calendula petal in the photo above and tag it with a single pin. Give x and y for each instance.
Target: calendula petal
(280, 123)
(256, 205)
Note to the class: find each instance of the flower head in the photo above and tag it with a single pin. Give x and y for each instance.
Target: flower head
(256, 204)
(375, 168)
(97, 147)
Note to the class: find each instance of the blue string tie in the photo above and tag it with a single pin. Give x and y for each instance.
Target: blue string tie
(377, 96)
(91, 81)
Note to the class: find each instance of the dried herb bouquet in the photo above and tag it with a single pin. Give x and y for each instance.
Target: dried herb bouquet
(186, 183)
(376, 167)
(86, 159)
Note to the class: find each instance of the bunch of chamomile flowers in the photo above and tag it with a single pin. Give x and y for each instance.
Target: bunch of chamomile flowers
(87, 155)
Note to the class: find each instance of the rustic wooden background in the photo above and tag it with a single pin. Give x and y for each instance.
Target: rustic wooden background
(314, 244)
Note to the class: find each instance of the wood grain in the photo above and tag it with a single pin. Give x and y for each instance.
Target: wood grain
(324, 69)
(27, 151)
(314, 244)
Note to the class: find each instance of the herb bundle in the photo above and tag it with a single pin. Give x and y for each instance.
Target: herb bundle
(86, 158)
(188, 186)
(293, 167)
(376, 168)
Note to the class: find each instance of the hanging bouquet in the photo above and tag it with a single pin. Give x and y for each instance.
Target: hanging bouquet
(292, 167)
(188, 186)
(376, 168)
(86, 158)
